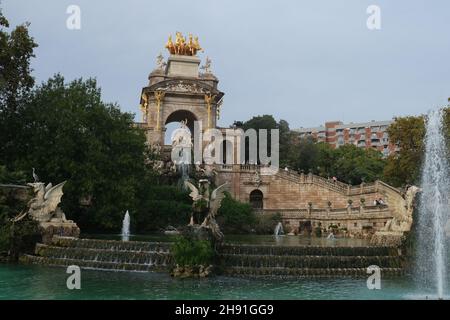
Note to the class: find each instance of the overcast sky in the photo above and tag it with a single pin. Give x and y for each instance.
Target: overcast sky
(303, 61)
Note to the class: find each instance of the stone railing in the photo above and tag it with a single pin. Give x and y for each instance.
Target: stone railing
(316, 180)
(248, 167)
(333, 213)
(226, 167)
(337, 186)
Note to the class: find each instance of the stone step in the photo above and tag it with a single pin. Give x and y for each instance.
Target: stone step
(306, 272)
(103, 255)
(115, 245)
(315, 262)
(308, 250)
(87, 264)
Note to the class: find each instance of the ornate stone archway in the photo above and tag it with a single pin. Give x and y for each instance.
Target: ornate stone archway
(178, 88)
(182, 115)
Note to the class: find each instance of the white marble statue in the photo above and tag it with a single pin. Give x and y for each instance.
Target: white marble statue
(44, 206)
(181, 144)
(404, 221)
(213, 201)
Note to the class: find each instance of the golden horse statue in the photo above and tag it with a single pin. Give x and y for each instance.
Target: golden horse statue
(182, 46)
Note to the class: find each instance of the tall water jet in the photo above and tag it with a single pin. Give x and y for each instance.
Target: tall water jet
(126, 227)
(181, 151)
(278, 229)
(431, 261)
(183, 168)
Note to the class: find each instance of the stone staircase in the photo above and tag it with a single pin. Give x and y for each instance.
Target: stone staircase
(102, 254)
(235, 260)
(308, 261)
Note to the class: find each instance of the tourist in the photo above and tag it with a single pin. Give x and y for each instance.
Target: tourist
(334, 179)
(380, 201)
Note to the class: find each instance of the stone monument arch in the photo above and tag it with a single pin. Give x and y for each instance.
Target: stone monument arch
(177, 91)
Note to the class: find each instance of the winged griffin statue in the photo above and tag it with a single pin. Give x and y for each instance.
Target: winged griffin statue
(213, 201)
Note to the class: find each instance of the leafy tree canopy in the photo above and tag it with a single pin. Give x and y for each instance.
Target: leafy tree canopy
(408, 133)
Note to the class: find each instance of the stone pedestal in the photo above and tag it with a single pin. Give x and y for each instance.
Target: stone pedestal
(66, 228)
(185, 66)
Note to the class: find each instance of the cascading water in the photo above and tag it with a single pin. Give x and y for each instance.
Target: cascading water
(279, 229)
(431, 261)
(126, 227)
(183, 168)
(181, 151)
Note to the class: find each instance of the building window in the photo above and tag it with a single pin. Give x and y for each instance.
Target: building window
(355, 224)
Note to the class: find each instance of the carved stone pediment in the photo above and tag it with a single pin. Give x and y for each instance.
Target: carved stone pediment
(184, 86)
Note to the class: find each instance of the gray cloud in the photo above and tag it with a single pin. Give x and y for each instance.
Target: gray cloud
(303, 61)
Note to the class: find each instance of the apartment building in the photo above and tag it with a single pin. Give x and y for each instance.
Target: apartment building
(371, 134)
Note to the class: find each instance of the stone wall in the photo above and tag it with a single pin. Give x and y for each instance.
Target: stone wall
(295, 191)
(322, 202)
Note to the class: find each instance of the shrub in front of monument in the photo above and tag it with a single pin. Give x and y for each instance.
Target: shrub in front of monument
(235, 217)
(193, 257)
(162, 206)
(333, 228)
(265, 223)
(18, 238)
(318, 231)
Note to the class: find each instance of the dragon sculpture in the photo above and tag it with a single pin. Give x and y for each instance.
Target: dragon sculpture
(43, 207)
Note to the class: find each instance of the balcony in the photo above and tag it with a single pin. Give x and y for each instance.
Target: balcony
(361, 144)
(375, 144)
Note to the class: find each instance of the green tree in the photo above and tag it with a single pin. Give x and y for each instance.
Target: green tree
(269, 123)
(355, 165)
(68, 133)
(16, 51)
(404, 167)
(303, 154)
(160, 205)
(408, 133)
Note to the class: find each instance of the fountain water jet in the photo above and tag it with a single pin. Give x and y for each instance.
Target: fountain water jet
(431, 268)
(126, 227)
(279, 229)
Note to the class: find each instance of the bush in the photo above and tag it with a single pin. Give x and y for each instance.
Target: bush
(161, 205)
(19, 238)
(235, 217)
(318, 231)
(265, 223)
(190, 252)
